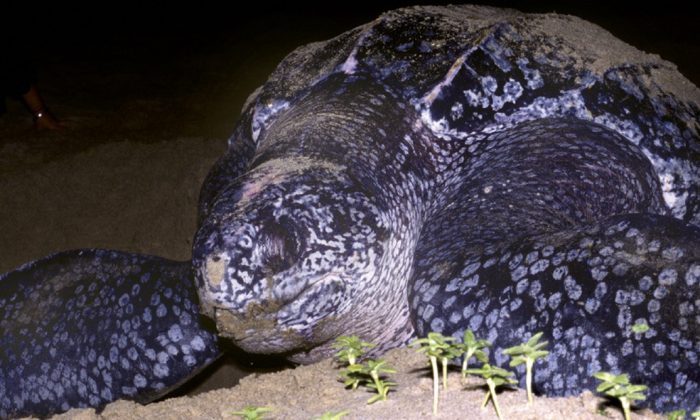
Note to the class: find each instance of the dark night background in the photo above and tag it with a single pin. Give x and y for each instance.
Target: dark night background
(261, 33)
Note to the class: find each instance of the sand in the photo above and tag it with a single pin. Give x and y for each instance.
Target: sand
(308, 392)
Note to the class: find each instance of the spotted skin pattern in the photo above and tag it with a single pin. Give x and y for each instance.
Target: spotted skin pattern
(437, 169)
(597, 264)
(109, 325)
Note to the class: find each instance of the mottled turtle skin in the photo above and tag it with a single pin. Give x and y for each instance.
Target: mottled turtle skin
(438, 169)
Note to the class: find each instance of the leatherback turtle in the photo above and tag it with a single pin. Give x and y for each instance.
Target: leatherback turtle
(437, 169)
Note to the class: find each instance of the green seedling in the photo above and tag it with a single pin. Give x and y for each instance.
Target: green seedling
(375, 369)
(618, 386)
(350, 348)
(696, 414)
(527, 353)
(640, 328)
(252, 412)
(494, 377)
(352, 376)
(471, 347)
(452, 352)
(371, 374)
(676, 415)
(436, 346)
(332, 416)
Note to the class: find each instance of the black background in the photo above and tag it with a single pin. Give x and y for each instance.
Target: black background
(670, 29)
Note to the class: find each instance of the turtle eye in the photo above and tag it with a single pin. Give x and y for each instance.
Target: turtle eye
(279, 248)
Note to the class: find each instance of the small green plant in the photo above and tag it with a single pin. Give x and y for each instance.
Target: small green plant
(352, 376)
(641, 328)
(252, 412)
(494, 377)
(350, 348)
(618, 386)
(527, 353)
(696, 414)
(332, 416)
(676, 414)
(436, 346)
(449, 352)
(471, 347)
(371, 373)
(375, 369)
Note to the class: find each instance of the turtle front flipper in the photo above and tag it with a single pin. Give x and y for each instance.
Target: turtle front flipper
(555, 230)
(84, 328)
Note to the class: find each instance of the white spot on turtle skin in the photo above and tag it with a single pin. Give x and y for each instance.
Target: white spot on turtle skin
(456, 111)
(163, 357)
(668, 276)
(654, 245)
(560, 272)
(632, 233)
(140, 381)
(437, 325)
(573, 289)
(175, 333)
(547, 251)
(161, 370)
(600, 290)
(518, 273)
(672, 254)
(531, 257)
(521, 286)
(598, 273)
(539, 266)
(653, 305)
(592, 305)
(470, 269)
(606, 252)
(627, 348)
(515, 261)
(645, 283)
(469, 283)
(692, 276)
(554, 300)
(686, 308)
(629, 297)
(452, 285)
(620, 269)
(660, 292)
(490, 262)
(475, 322)
(428, 312)
(469, 310)
(515, 304)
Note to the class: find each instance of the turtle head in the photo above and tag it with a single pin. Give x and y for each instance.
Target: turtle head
(283, 255)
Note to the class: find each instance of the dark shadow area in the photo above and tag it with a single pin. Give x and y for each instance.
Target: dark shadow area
(229, 370)
(112, 29)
